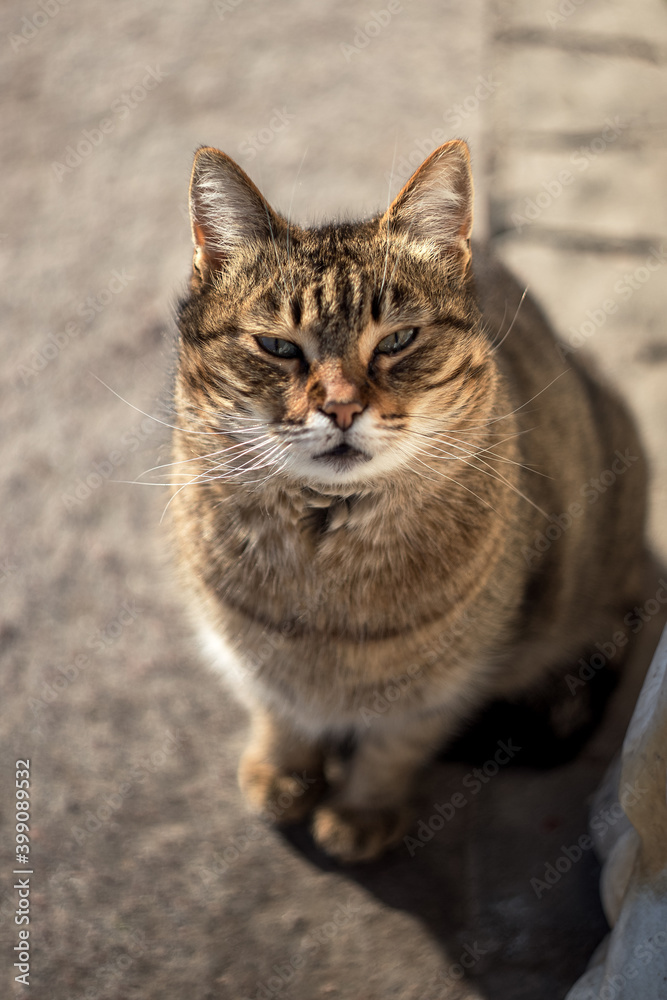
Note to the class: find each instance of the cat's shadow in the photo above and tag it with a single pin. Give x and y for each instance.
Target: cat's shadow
(494, 870)
(468, 880)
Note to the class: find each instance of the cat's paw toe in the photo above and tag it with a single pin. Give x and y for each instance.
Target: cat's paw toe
(351, 834)
(279, 796)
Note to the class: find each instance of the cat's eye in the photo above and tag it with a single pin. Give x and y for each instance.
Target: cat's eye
(279, 348)
(396, 341)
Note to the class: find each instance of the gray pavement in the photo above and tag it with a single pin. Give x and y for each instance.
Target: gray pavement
(150, 879)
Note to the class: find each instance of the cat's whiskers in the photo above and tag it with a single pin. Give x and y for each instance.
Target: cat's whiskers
(447, 430)
(463, 445)
(196, 458)
(498, 476)
(176, 493)
(501, 324)
(495, 346)
(505, 416)
(173, 427)
(488, 421)
(189, 407)
(454, 443)
(409, 456)
(237, 462)
(259, 483)
(268, 461)
(457, 507)
(272, 447)
(231, 473)
(461, 485)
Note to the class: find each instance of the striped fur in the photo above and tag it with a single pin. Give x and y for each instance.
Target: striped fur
(353, 522)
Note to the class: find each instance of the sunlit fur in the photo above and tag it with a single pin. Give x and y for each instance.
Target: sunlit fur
(321, 580)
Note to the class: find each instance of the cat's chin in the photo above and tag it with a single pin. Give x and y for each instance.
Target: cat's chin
(342, 472)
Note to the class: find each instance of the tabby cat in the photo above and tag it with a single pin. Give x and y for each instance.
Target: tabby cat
(380, 501)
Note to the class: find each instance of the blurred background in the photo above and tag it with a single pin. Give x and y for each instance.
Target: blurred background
(150, 879)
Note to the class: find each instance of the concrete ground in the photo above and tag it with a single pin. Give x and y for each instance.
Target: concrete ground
(150, 879)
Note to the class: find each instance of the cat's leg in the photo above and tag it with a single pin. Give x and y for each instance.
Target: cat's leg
(281, 771)
(371, 812)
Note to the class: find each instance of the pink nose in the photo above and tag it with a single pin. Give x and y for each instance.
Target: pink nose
(342, 413)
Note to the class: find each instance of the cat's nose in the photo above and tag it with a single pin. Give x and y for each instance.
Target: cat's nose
(342, 413)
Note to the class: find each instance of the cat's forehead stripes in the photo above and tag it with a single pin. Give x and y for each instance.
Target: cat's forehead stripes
(334, 306)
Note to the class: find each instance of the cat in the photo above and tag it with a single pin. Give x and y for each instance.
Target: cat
(380, 502)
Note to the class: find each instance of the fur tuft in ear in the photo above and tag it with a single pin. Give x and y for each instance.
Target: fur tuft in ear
(436, 205)
(226, 211)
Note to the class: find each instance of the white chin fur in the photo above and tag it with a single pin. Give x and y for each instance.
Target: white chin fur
(314, 471)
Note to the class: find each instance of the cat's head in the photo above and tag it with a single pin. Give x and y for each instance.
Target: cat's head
(330, 355)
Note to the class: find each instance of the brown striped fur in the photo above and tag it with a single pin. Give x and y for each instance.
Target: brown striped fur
(391, 588)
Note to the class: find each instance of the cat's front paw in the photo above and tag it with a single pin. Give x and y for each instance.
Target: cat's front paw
(352, 834)
(279, 796)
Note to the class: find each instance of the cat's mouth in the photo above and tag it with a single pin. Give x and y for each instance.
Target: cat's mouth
(344, 452)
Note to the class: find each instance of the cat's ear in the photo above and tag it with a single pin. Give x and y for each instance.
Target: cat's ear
(436, 205)
(226, 211)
